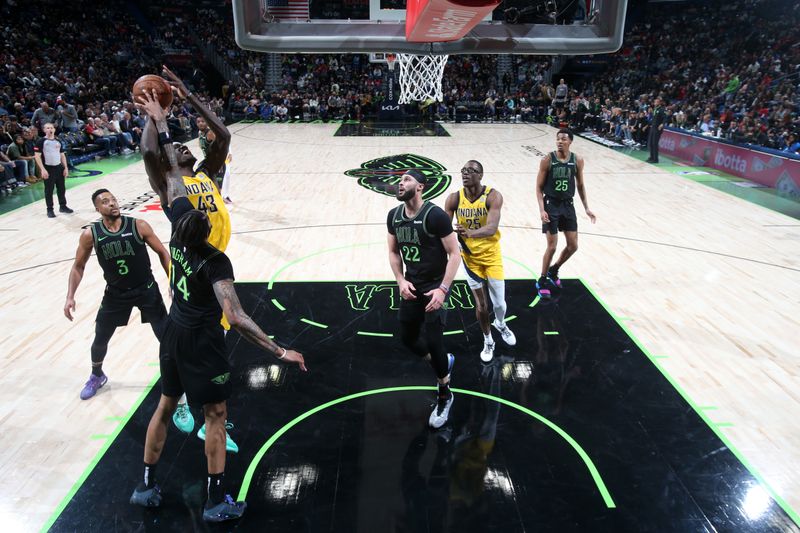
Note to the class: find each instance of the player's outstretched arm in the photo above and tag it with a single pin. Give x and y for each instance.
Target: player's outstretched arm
(439, 294)
(150, 237)
(582, 190)
(76, 272)
(151, 154)
(158, 115)
(451, 204)
(544, 168)
(217, 150)
(241, 322)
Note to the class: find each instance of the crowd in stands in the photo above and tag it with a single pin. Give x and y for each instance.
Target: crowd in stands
(728, 69)
(73, 66)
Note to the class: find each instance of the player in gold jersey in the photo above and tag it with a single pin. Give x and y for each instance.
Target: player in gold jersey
(162, 156)
(477, 211)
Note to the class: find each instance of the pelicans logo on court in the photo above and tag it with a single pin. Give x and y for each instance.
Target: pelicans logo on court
(382, 175)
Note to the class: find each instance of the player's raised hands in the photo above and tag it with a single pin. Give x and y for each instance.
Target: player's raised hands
(149, 104)
(175, 81)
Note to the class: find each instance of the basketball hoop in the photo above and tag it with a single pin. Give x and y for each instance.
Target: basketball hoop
(420, 76)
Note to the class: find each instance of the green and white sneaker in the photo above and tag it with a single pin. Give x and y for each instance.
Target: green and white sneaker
(183, 418)
(229, 444)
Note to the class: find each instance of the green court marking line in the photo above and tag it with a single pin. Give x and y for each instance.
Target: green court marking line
(523, 265)
(775, 496)
(623, 318)
(551, 333)
(374, 334)
(99, 437)
(601, 487)
(724, 424)
(708, 407)
(312, 323)
(156, 363)
(96, 459)
(660, 357)
(535, 301)
(288, 265)
(115, 418)
(320, 252)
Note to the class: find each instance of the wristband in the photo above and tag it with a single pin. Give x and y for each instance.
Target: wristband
(164, 138)
(284, 353)
(444, 289)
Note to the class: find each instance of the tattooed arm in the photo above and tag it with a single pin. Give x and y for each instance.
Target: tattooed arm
(241, 322)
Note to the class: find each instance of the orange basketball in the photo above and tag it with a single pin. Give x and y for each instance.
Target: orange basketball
(149, 83)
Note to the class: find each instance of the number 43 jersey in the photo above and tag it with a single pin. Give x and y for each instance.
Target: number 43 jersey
(204, 196)
(122, 255)
(472, 216)
(192, 275)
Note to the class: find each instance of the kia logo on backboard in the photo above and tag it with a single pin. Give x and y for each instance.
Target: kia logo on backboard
(383, 174)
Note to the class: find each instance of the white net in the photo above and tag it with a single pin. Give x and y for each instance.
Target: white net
(421, 77)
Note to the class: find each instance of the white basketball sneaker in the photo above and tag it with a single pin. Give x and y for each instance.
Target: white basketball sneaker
(505, 333)
(488, 351)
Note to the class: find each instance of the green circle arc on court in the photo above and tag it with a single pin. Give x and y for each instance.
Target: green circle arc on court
(595, 474)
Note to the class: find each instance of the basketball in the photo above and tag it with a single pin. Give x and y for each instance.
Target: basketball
(151, 82)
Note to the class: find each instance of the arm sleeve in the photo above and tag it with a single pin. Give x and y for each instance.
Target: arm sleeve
(219, 268)
(438, 224)
(389, 224)
(38, 145)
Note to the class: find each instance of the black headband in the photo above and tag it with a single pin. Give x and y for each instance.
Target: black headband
(417, 175)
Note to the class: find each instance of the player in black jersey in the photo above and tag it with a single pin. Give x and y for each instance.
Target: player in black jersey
(560, 174)
(119, 242)
(422, 238)
(193, 357)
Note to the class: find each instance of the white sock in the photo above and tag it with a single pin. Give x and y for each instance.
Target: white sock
(488, 338)
(182, 401)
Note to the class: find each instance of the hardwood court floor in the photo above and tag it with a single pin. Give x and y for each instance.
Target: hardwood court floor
(708, 283)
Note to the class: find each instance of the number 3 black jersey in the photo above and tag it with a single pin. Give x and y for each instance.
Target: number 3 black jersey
(122, 255)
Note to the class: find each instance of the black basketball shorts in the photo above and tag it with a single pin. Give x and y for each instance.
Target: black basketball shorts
(562, 216)
(194, 361)
(414, 310)
(115, 309)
